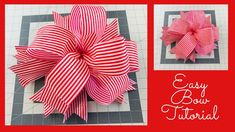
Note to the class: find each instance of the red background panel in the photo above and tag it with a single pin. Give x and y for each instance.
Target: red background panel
(221, 90)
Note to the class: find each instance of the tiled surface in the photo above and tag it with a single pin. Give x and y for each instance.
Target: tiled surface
(164, 60)
(21, 27)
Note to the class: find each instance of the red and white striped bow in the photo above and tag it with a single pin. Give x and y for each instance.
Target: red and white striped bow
(193, 33)
(81, 54)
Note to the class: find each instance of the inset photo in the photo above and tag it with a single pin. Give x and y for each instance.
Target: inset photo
(191, 37)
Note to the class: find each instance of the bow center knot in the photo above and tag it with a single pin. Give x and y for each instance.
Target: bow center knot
(193, 31)
(82, 53)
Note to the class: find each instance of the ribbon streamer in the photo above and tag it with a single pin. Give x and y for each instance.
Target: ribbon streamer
(193, 33)
(80, 54)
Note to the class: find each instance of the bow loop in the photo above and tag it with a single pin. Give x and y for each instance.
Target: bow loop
(179, 26)
(52, 42)
(65, 81)
(111, 57)
(205, 36)
(87, 20)
(196, 19)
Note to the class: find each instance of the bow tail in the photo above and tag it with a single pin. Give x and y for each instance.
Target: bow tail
(29, 69)
(63, 85)
(47, 108)
(78, 106)
(132, 82)
(130, 88)
(185, 47)
(192, 56)
(120, 99)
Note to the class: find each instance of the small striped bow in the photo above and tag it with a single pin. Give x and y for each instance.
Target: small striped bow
(80, 54)
(193, 33)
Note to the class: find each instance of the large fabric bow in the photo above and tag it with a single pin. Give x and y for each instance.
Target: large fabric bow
(81, 54)
(193, 33)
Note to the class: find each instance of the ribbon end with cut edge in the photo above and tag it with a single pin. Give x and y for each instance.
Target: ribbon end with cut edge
(132, 82)
(130, 88)
(60, 20)
(78, 107)
(216, 33)
(192, 57)
(48, 110)
(130, 85)
(37, 95)
(22, 82)
(65, 118)
(120, 99)
(111, 31)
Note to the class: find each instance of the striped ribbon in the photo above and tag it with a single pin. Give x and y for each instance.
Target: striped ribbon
(80, 54)
(193, 33)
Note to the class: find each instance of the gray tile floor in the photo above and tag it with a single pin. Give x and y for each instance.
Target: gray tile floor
(21, 111)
